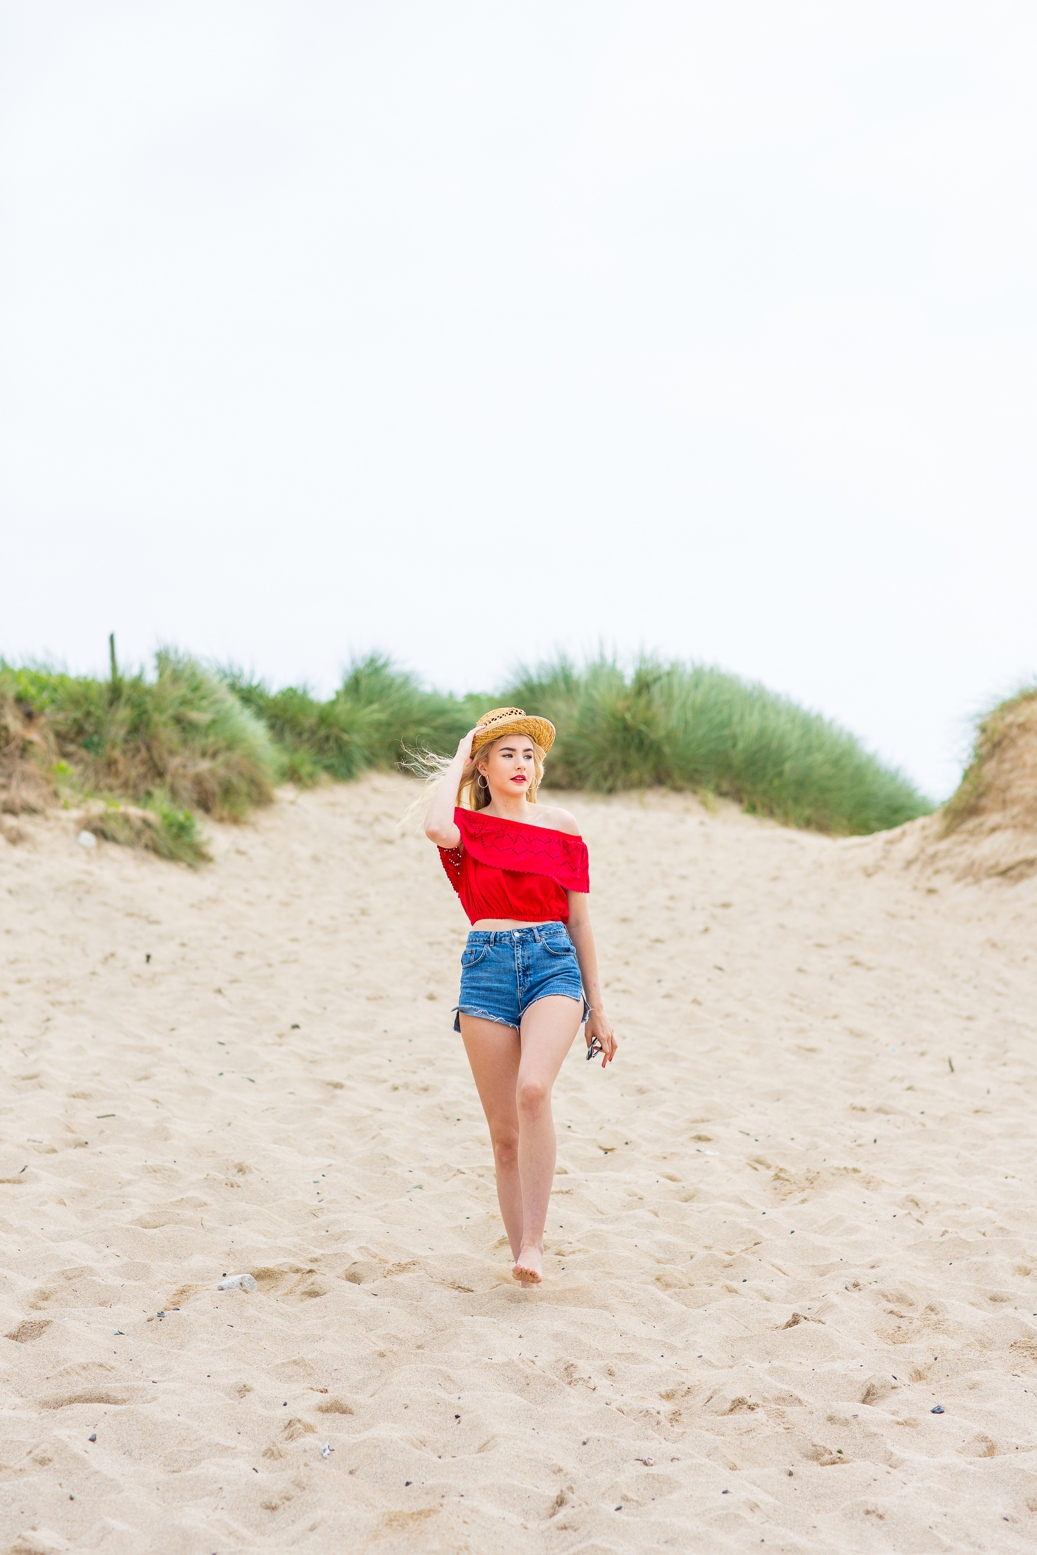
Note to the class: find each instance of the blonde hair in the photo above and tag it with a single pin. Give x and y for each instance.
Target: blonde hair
(471, 794)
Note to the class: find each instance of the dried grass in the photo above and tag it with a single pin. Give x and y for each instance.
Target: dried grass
(987, 830)
(990, 823)
(27, 753)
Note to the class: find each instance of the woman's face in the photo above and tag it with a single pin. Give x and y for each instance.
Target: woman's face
(508, 764)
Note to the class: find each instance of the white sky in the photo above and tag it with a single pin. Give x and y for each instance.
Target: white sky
(472, 330)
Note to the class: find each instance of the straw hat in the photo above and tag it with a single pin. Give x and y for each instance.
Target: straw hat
(512, 720)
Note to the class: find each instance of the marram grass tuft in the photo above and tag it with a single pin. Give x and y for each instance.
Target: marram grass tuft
(999, 786)
(178, 743)
(377, 715)
(161, 828)
(694, 727)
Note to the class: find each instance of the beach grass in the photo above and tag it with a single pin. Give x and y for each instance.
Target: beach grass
(377, 715)
(1001, 775)
(168, 747)
(146, 755)
(681, 726)
(161, 828)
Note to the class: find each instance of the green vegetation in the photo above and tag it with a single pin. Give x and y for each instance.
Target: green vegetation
(693, 727)
(142, 757)
(173, 745)
(169, 832)
(372, 720)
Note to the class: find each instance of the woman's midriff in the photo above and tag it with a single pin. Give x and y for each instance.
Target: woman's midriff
(492, 924)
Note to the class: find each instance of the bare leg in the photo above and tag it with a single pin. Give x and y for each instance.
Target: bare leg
(494, 1052)
(548, 1029)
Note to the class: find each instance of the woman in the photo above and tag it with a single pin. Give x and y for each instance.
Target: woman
(529, 974)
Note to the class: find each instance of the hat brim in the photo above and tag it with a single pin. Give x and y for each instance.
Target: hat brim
(540, 730)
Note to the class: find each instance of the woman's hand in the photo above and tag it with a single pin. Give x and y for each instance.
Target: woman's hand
(439, 817)
(464, 749)
(599, 1029)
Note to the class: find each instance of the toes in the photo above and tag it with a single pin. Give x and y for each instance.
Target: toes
(526, 1276)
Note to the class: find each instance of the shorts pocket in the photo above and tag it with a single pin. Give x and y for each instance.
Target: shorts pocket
(559, 947)
(472, 955)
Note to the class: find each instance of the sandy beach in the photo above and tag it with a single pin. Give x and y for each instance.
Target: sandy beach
(795, 1218)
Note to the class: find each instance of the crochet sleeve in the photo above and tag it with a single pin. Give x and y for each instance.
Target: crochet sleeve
(450, 858)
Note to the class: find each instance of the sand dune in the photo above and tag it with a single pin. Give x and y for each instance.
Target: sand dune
(784, 1228)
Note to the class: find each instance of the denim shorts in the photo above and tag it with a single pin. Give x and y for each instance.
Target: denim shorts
(504, 971)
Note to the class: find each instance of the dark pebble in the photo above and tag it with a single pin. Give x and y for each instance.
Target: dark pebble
(937, 1409)
(92, 1438)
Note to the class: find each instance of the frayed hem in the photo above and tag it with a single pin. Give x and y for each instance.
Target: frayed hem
(480, 1015)
(579, 998)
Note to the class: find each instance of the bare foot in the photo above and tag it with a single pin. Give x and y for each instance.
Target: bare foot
(528, 1268)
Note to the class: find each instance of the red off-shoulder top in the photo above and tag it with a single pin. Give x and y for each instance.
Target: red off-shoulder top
(510, 869)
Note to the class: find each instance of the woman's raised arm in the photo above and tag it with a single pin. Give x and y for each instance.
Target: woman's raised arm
(440, 827)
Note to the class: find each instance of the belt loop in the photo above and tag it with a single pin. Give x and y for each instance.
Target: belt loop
(537, 934)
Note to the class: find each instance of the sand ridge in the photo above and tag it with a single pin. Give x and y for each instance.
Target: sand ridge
(784, 1228)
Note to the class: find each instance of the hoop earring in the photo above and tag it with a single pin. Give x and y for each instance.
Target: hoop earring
(481, 782)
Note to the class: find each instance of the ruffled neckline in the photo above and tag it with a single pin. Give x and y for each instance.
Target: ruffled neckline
(552, 831)
(521, 847)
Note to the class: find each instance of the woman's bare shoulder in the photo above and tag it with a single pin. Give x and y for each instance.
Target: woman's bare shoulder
(559, 820)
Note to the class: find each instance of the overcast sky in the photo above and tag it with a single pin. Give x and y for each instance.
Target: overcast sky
(468, 331)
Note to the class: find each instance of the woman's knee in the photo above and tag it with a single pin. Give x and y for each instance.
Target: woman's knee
(532, 1094)
(505, 1147)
